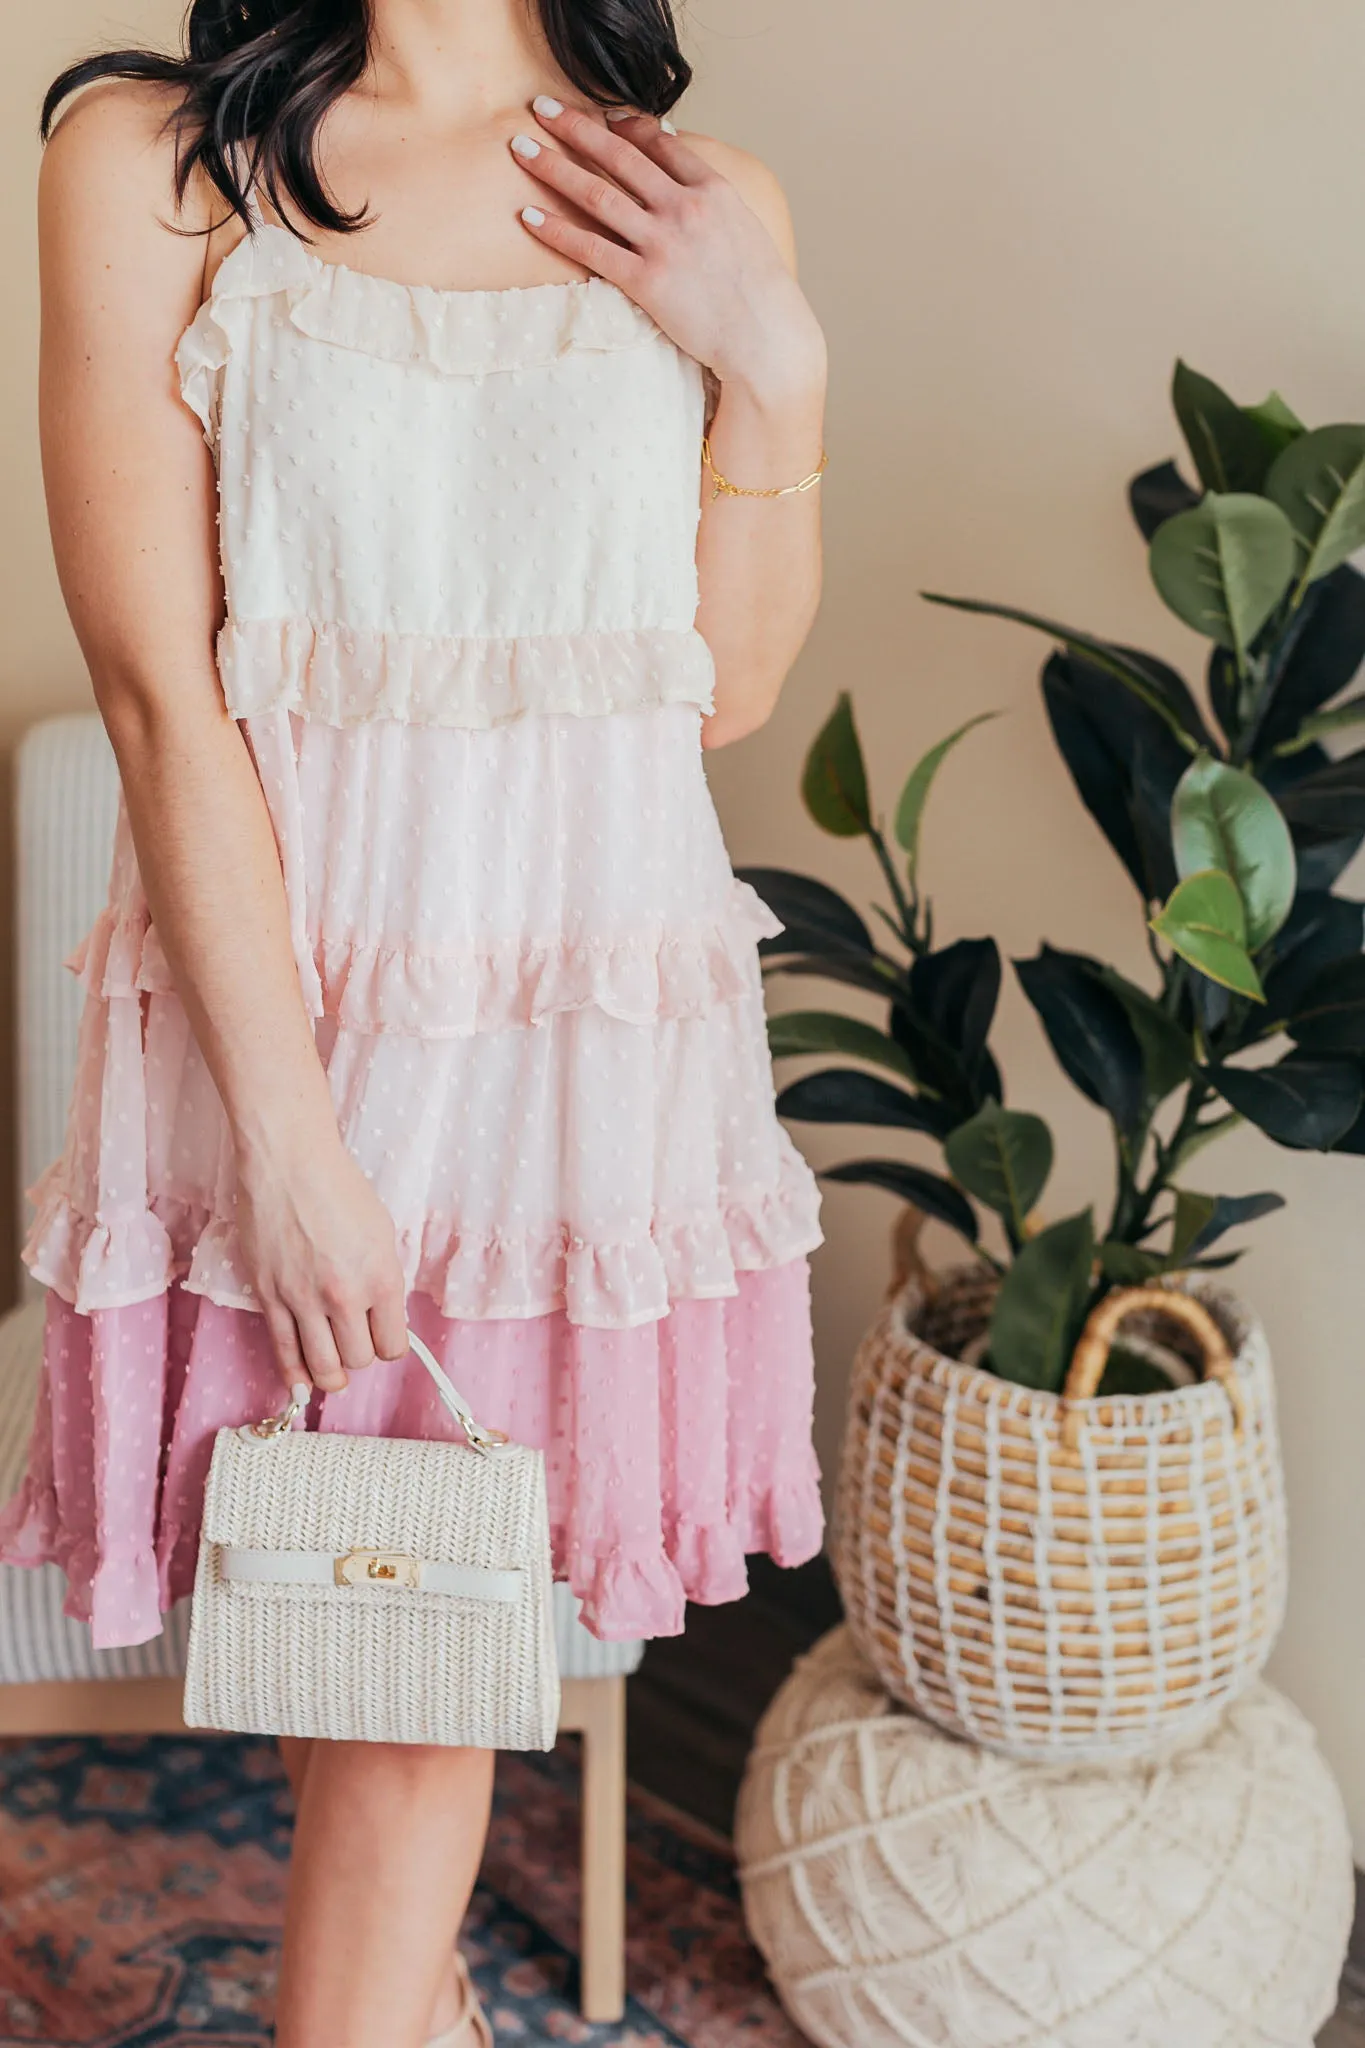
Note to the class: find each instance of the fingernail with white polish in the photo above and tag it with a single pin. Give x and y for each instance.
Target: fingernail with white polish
(300, 1392)
(667, 126)
(533, 216)
(543, 104)
(525, 145)
(620, 114)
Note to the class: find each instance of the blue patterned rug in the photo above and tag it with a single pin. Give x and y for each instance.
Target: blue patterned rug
(141, 1885)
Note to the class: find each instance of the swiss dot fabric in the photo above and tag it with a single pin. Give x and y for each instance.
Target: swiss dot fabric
(458, 539)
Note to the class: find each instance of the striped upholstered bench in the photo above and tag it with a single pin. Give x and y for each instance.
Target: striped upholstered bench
(51, 1681)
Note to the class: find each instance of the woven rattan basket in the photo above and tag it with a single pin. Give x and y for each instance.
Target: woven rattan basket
(1058, 1578)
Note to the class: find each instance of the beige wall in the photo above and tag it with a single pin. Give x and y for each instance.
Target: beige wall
(1014, 214)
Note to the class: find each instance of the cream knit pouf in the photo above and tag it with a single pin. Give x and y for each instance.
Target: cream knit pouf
(907, 1888)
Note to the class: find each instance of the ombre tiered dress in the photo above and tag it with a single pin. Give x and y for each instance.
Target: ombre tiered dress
(458, 537)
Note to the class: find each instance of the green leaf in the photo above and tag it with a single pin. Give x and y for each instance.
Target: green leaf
(1004, 1158)
(1330, 1015)
(846, 1095)
(1127, 1265)
(927, 1191)
(815, 915)
(1224, 567)
(834, 785)
(914, 796)
(1352, 712)
(1277, 423)
(1319, 483)
(1193, 1214)
(1040, 1310)
(798, 1033)
(1089, 1030)
(1200, 1220)
(1228, 448)
(1157, 495)
(1205, 923)
(1204, 1135)
(1306, 1104)
(1222, 818)
(1126, 1375)
(1145, 682)
(1167, 1048)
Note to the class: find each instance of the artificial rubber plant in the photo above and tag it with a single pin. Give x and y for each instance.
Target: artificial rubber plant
(1234, 823)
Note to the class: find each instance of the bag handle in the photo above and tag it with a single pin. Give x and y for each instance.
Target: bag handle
(479, 1438)
(1091, 1355)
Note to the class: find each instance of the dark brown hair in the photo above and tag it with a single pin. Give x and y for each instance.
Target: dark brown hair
(256, 78)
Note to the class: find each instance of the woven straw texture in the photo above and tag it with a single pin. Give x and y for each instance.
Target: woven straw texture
(372, 1663)
(912, 1891)
(1044, 1604)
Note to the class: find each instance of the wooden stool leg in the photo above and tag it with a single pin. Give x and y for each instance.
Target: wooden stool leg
(603, 1929)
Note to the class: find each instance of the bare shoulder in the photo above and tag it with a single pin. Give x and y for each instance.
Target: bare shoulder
(757, 186)
(109, 167)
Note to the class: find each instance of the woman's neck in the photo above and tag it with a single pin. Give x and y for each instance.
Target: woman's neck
(457, 59)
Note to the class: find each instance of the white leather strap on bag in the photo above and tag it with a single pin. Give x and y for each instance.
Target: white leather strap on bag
(479, 1438)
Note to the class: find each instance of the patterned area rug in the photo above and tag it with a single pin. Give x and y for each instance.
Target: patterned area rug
(141, 1886)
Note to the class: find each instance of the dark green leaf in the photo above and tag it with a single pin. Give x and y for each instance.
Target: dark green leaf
(1329, 804)
(834, 785)
(846, 1095)
(1089, 1030)
(915, 795)
(1224, 567)
(1306, 1104)
(1200, 1220)
(1149, 801)
(1329, 1016)
(1102, 654)
(1205, 923)
(1158, 495)
(1124, 762)
(796, 1034)
(1227, 447)
(928, 1191)
(1319, 483)
(1225, 693)
(1040, 1309)
(1321, 930)
(1004, 1158)
(955, 992)
(1352, 1141)
(1167, 1050)
(853, 970)
(1222, 818)
(1317, 658)
(811, 911)
(1127, 1265)
(1127, 1376)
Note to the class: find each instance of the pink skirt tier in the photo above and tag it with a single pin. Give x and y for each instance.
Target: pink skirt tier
(672, 1449)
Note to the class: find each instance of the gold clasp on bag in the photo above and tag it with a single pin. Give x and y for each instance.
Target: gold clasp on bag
(377, 1568)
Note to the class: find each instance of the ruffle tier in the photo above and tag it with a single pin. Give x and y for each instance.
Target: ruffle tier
(672, 1451)
(456, 333)
(344, 675)
(477, 1277)
(635, 977)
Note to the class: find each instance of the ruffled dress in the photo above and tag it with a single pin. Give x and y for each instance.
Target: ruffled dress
(458, 535)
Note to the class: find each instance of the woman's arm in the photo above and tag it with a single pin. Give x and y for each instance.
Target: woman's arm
(132, 502)
(699, 235)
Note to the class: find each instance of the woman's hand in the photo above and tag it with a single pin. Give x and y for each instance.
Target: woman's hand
(320, 1250)
(676, 236)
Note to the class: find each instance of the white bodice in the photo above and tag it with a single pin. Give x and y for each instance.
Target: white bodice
(446, 507)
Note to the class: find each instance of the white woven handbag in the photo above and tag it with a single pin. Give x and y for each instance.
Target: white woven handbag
(375, 1589)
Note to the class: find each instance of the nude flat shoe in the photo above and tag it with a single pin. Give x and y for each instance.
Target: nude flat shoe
(471, 2029)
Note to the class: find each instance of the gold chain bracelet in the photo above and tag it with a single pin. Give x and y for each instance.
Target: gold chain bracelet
(725, 489)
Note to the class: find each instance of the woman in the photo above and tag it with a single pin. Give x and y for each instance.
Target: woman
(425, 992)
